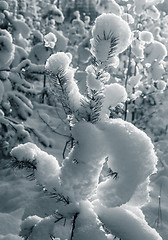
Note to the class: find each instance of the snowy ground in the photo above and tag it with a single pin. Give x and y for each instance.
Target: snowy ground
(15, 192)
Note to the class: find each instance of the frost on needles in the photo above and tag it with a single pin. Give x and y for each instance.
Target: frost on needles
(86, 207)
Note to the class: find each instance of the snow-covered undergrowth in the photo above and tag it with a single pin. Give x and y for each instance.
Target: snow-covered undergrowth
(83, 116)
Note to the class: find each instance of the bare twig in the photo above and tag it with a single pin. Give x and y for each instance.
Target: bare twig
(158, 220)
(126, 82)
(73, 225)
(53, 130)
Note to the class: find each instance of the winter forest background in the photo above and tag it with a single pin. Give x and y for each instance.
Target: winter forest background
(83, 120)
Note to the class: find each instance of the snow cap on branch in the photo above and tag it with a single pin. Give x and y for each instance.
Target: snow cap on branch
(146, 36)
(7, 49)
(114, 94)
(111, 36)
(131, 154)
(51, 11)
(108, 6)
(50, 40)
(47, 167)
(57, 62)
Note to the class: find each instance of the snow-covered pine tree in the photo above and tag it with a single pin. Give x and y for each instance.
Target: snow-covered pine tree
(87, 204)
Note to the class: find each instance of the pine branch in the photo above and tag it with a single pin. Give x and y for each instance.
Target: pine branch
(95, 106)
(27, 165)
(113, 42)
(92, 106)
(59, 197)
(58, 88)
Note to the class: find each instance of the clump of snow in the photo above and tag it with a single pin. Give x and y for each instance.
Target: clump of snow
(20, 27)
(7, 49)
(26, 151)
(148, 6)
(92, 80)
(52, 10)
(20, 54)
(39, 53)
(48, 170)
(155, 51)
(128, 18)
(3, 5)
(146, 36)
(47, 167)
(50, 40)
(131, 154)
(57, 62)
(37, 37)
(137, 48)
(114, 94)
(109, 39)
(139, 6)
(126, 222)
(157, 70)
(153, 12)
(28, 224)
(161, 85)
(22, 106)
(108, 6)
(62, 41)
(134, 80)
(38, 228)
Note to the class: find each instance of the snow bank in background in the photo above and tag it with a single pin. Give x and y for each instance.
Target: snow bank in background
(10, 237)
(10, 222)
